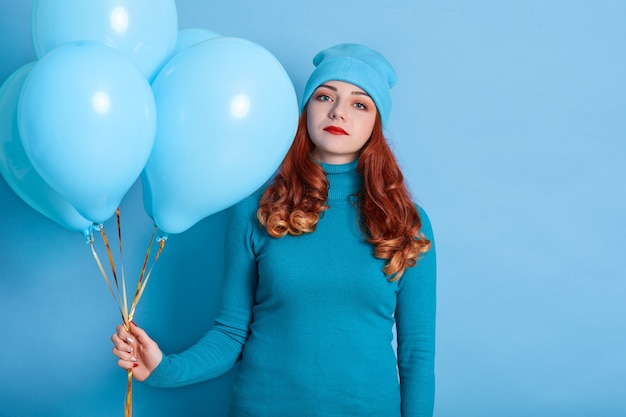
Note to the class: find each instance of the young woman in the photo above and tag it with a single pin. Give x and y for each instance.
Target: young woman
(319, 267)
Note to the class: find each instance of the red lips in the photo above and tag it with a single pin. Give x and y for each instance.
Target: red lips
(334, 130)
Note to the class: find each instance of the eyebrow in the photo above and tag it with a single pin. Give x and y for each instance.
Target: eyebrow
(357, 93)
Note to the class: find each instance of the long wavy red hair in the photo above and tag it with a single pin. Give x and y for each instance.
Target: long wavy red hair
(293, 202)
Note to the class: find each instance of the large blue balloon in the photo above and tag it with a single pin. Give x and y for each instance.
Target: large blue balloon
(227, 113)
(87, 119)
(192, 36)
(16, 168)
(145, 30)
(189, 37)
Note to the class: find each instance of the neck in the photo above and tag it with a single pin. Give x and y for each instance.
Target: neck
(343, 180)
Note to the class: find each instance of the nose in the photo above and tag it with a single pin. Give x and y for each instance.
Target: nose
(337, 111)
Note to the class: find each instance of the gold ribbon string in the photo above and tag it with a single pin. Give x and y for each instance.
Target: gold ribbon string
(122, 301)
(128, 403)
(141, 284)
(119, 239)
(104, 274)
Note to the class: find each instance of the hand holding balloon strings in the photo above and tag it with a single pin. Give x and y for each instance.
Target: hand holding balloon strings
(136, 351)
(122, 299)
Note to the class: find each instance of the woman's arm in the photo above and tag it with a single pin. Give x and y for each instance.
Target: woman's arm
(415, 324)
(220, 348)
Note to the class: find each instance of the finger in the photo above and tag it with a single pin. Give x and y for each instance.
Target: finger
(115, 338)
(123, 334)
(127, 364)
(121, 346)
(122, 341)
(124, 354)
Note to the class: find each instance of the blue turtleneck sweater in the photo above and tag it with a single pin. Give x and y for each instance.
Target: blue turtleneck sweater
(310, 318)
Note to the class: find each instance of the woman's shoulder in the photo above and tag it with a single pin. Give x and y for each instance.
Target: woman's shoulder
(426, 228)
(248, 205)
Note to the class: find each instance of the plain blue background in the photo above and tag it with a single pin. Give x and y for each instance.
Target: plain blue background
(510, 123)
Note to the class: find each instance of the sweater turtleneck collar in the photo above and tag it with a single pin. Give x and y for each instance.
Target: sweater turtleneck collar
(343, 180)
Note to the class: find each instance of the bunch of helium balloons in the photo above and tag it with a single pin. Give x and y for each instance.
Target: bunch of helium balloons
(118, 92)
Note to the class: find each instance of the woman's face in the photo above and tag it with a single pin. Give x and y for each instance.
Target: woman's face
(340, 120)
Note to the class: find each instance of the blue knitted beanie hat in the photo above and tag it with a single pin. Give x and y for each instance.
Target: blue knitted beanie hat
(355, 64)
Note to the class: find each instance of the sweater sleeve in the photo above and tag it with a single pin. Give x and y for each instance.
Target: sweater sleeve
(415, 324)
(220, 348)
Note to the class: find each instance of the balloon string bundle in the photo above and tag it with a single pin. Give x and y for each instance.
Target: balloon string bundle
(121, 299)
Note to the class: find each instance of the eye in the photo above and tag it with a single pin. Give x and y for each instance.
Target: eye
(323, 97)
(360, 106)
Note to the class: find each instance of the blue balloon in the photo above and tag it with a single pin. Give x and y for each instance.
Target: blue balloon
(145, 30)
(192, 36)
(16, 168)
(227, 115)
(187, 38)
(87, 119)
(146, 195)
